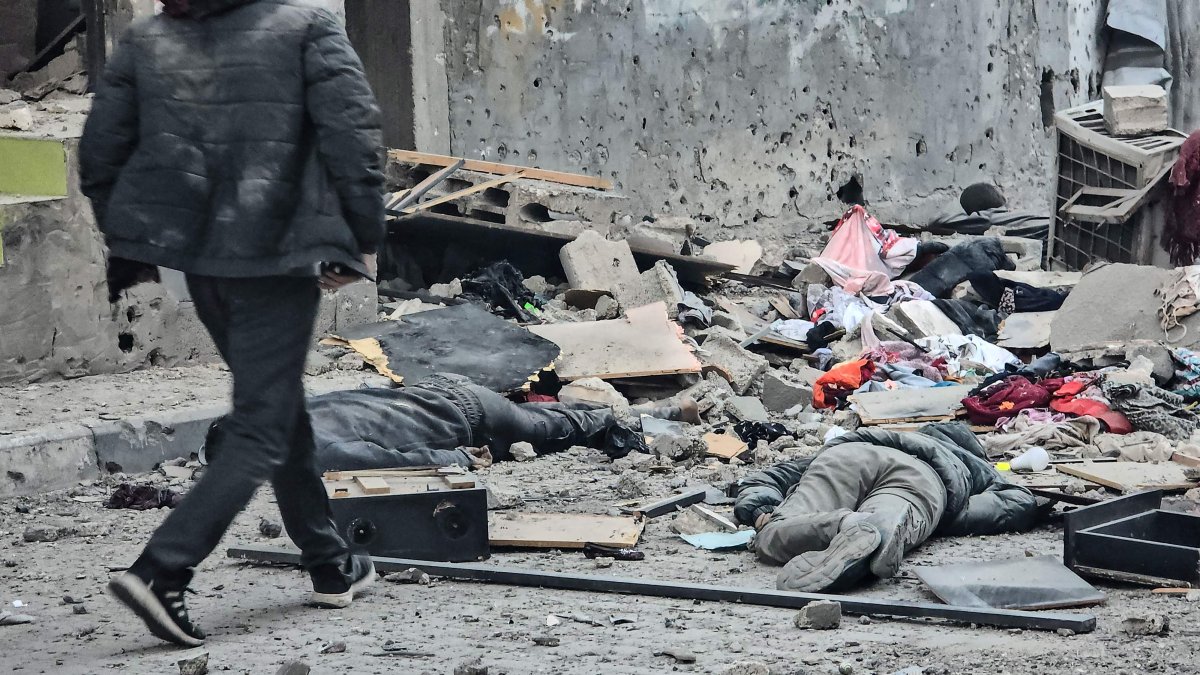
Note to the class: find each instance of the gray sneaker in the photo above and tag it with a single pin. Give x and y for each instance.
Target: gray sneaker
(899, 532)
(839, 567)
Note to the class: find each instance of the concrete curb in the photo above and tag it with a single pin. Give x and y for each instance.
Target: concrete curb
(55, 457)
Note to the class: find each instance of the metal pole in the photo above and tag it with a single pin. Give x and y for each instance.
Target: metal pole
(1001, 618)
(97, 51)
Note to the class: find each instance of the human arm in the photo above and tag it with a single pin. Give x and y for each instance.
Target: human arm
(110, 134)
(348, 127)
(759, 493)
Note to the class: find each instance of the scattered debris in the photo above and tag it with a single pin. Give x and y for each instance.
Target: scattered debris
(522, 451)
(332, 648)
(294, 668)
(411, 575)
(8, 618)
(142, 497)
(720, 541)
(546, 641)
(475, 667)
(697, 519)
(819, 615)
(740, 367)
(747, 668)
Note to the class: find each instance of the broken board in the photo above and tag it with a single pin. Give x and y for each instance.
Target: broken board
(910, 405)
(725, 446)
(563, 530)
(463, 340)
(339, 485)
(644, 344)
(1036, 583)
(1128, 477)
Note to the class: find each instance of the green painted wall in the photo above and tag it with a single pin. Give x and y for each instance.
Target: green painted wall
(33, 166)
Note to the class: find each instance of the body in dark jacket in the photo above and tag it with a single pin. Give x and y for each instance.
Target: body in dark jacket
(978, 499)
(270, 168)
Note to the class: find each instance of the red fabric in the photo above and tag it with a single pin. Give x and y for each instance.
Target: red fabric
(1065, 402)
(539, 398)
(1181, 237)
(841, 380)
(1005, 399)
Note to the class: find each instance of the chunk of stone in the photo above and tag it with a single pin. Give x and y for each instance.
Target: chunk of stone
(1145, 624)
(16, 116)
(747, 668)
(197, 665)
(593, 390)
(411, 575)
(660, 284)
(591, 262)
(742, 368)
(819, 615)
(781, 393)
(607, 308)
(294, 668)
(697, 519)
(475, 667)
(1135, 110)
(631, 485)
(522, 451)
(269, 528)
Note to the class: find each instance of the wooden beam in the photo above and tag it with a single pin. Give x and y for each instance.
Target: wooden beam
(576, 179)
(401, 201)
(478, 187)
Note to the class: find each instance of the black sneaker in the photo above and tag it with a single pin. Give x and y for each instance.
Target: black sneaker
(336, 587)
(837, 568)
(160, 605)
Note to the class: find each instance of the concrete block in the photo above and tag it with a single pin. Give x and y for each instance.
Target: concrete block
(591, 262)
(807, 374)
(781, 392)
(922, 318)
(44, 459)
(819, 615)
(742, 368)
(139, 444)
(16, 116)
(351, 305)
(747, 409)
(1135, 110)
(661, 284)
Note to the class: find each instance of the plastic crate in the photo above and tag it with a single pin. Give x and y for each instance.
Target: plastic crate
(1088, 157)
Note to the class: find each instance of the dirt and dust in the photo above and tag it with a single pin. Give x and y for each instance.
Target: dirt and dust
(257, 621)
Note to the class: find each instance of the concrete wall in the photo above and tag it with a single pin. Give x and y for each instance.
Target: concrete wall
(750, 116)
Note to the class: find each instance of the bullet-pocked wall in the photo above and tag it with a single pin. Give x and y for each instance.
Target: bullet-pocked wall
(752, 115)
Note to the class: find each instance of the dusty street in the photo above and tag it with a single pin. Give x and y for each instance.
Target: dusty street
(256, 620)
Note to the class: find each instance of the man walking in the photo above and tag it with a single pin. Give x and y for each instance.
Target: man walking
(238, 141)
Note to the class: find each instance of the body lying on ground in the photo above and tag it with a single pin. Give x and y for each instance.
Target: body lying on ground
(445, 420)
(860, 504)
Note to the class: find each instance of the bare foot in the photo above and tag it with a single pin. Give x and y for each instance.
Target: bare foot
(689, 411)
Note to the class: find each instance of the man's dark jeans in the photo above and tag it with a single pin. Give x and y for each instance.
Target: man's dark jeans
(262, 327)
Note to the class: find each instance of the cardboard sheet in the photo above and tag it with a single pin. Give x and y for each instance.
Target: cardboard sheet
(902, 405)
(645, 343)
(1131, 476)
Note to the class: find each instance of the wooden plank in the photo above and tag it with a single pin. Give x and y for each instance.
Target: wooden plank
(563, 530)
(576, 179)
(725, 446)
(644, 344)
(1131, 476)
(478, 187)
(782, 306)
(460, 482)
(372, 485)
(401, 200)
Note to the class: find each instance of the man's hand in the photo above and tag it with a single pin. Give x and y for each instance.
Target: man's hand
(481, 458)
(761, 520)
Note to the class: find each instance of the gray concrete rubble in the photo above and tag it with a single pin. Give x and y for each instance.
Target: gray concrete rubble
(742, 368)
(593, 263)
(1135, 110)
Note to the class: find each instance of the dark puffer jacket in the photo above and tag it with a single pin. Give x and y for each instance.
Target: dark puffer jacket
(238, 140)
(978, 499)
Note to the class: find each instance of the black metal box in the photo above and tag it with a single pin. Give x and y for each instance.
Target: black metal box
(419, 518)
(1131, 539)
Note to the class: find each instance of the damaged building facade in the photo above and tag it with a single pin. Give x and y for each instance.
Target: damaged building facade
(760, 121)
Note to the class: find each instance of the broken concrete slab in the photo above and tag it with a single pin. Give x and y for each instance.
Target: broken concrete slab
(782, 392)
(592, 262)
(17, 116)
(136, 445)
(923, 319)
(46, 459)
(807, 374)
(1135, 110)
(644, 343)
(740, 367)
(1112, 307)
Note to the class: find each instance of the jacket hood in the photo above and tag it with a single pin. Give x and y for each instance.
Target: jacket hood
(198, 9)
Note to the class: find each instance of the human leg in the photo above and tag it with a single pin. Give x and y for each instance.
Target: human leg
(905, 506)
